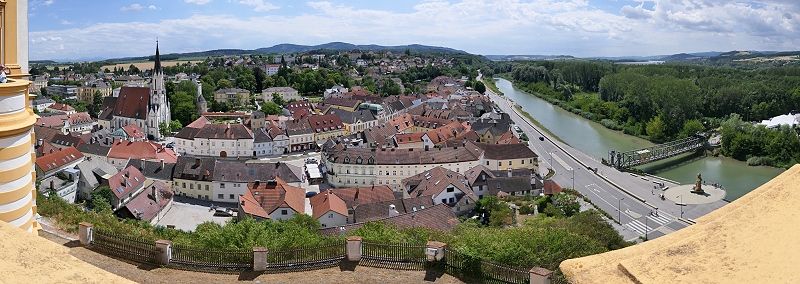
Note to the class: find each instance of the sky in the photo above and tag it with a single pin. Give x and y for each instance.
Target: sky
(84, 29)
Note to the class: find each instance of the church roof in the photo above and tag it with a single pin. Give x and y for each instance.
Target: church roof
(132, 102)
(157, 67)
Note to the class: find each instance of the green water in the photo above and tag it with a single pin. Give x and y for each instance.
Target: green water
(596, 140)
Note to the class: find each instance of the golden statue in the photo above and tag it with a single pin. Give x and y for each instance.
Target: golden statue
(698, 184)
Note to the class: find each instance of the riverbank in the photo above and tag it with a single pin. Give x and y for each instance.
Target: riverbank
(596, 140)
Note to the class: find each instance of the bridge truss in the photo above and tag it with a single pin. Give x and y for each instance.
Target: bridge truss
(642, 156)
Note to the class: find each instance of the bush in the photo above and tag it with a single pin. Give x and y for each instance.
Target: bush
(611, 124)
(760, 161)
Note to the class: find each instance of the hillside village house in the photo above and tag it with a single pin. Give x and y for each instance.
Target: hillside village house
(509, 156)
(328, 209)
(355, 121)
(201, 138)
(151, 205)
(192, 177)
(67, 123)
(230, 178)
(286, 93)
(232, 95)
(280, 141)
(154, 171)
(125, 185)
(444, 186)
(60, 108)
(57, 162)
(93, 172)
(271, 199)
(121, 151)
(262, 143)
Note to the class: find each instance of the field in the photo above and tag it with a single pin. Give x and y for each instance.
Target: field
(141, 65)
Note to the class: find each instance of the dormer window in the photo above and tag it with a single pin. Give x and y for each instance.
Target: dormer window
(358, 161)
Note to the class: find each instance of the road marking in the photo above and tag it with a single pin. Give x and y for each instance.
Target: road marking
(637, 226)
(660, 219)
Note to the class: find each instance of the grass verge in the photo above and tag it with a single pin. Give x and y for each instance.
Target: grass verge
(534, 121)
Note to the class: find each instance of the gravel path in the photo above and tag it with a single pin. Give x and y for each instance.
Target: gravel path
(153, 274)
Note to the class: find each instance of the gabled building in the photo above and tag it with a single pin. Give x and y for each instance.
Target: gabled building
(192, 177)
(129, 132)
(326, 127)
(56, 162)
(262, 143)
(66, 123)
(92, 173)
(60, 108)
(95, 151)
(355, 121)
(150, 205)
(280, 141)
(287, 93)
(125, 185)
(329, 209)
(224, 141)
(509, 156)
(444, 187)
(230, 178)
(277, 200)
(301, 135)
(121, 151)
(154, 171)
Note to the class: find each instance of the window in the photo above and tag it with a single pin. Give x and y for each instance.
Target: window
(220, 196)
(284, 212)
(444, 200)
(530, 160)
(184, 185)
(221, 185)
(206, 187)
(330, 216)
(394, 173)
(480, 196)
(231, 196)
(380, 173)
(450, 189)
(452, 199)
(522, 161)
(487, 163)
(499, 163)
(191, 186)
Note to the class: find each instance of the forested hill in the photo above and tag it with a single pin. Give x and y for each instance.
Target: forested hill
(294, 48)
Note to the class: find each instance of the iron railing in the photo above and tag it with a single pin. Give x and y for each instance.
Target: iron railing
(306, 258)
(136, 249)
(187, 257)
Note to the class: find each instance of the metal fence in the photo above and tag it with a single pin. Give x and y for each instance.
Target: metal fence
(186, 257)
(136, 249)
(395, 256)
(461, 264)
(306, 258)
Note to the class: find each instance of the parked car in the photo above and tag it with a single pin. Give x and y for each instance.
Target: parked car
(310, 194)
(541, 138)
(517, 128)
(224, 212)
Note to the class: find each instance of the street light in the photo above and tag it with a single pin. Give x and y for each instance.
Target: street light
(619, 210)
(573, 178)
(681, 205)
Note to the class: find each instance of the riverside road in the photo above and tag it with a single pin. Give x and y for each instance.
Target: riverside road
(631, 205)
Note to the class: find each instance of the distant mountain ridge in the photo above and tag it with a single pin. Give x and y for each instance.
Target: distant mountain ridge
(289, 48)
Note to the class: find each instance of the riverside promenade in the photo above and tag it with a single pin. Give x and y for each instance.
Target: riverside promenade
(628, 198)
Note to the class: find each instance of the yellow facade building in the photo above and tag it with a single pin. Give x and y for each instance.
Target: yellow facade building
(17, 175)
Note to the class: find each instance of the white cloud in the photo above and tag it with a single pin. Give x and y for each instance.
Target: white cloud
(198, 2)
(65, 22)
(152, 7)
(259, 5)
(131, 8)
(48, 2)
(45, 39)
(479, 26)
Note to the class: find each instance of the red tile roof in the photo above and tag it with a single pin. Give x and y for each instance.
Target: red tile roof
(508, 138)
(126, 181)
(249, 205)
(325, 123)
(132, 102)
(225, 131)
(326, 201)
(551, 187)
(141, 150)
(280, 194)
(134, 131)
(145, 206)
(361, 195)
(61, 107)
(58, 159)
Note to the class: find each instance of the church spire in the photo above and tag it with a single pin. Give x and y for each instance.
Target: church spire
(157, 68)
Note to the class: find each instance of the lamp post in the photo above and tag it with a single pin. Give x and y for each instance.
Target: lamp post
(573, 178)
(681, 205)
(619, 210)
(646, 228)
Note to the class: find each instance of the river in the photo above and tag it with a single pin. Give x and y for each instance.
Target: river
(596, 140)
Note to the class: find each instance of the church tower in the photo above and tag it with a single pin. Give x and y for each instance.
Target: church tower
(201, 104)
(159, 109)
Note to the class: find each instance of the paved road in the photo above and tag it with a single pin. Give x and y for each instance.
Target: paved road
(634, 214)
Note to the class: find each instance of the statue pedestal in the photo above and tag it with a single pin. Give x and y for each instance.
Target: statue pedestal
(699, 191)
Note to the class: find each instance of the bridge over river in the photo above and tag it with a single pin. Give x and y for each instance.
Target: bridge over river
(642, 156)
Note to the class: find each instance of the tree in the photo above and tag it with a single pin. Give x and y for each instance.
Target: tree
(100, 199)
(246, 81)
(276, 98)
(175, 125)
(480, 87)
(271, 108)
(224, 84)
(163, 128)
(656, 128)
(43, 91)
(690, 128)
(97, 102)
(495, 212)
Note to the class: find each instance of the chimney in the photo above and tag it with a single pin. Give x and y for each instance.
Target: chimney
(392, 211)
(39, 143)
(127, 173)
(142, 164)
(256, 182)
(153, 193)
(162, 164)
(277, 165)
(357, 190)
(52, 184)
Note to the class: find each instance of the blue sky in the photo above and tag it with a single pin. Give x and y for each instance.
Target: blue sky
(75, 29)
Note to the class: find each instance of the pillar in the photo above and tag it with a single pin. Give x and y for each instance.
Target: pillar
(85, 233)
(434, 250)
(164, 248)
(259, 259)
(540, 275)
(354, 248)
